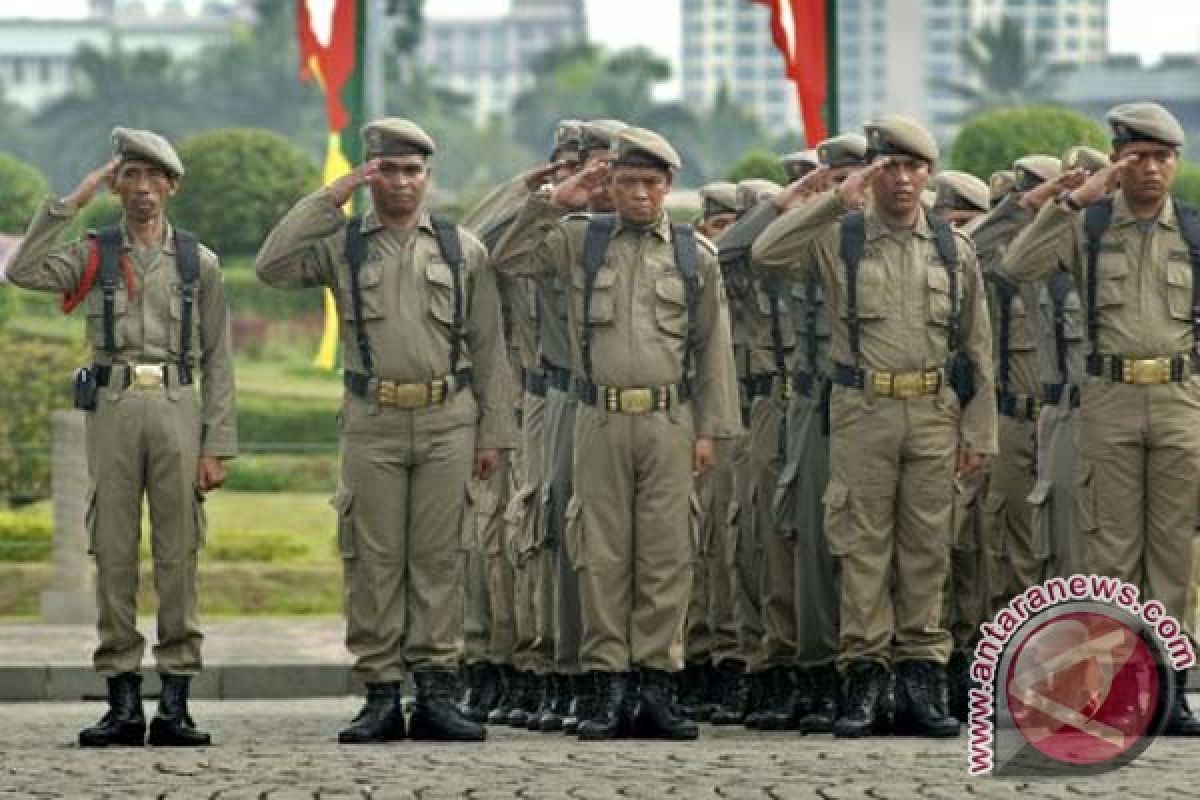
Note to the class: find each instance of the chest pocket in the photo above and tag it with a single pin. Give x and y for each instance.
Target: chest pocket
(555, 294)
(1112, 278)
(1072, 314)
(603, 308)
(872, 289)
(937, 295)
(1179, 287)
(670, 306)
(95, 316)
(439, 285)
(175, 334)
(370, 282)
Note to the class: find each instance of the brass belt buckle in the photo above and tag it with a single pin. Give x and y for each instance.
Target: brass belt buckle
(410, 396)
(147, 376)
(636, 401)
(881, 383)
(1147, 370)
(908, 384)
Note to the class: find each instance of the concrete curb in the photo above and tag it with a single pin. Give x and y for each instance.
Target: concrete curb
(75, 682)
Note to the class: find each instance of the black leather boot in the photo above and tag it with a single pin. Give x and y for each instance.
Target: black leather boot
(822, 705)
(693, 693)
(605, 723)
(1181, 722)
(582, 706)
(549, 718)
(732, 690)
(527, 699)
(482, 692)
(774, 712)
(435, 718)
(172, 725)
(921, 707)
(958, 681)
(862, 711)
(654, 716)
(124, 723)
(506, 694)
(381, 718)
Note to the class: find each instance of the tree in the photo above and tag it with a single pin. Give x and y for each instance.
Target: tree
(758, 163)
(22, 187)
(1187, 184)
(1002, 70)
(993, 140)
(137, 89)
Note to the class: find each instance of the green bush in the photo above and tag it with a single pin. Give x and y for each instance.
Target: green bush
(758, 163)
(26, 536)
(35, 380)
(283, 473)
(248, 295)
(239, 183)
(256, 547)
(103, 211)
(10, 303)
(286, 423)
(991, 141)
(1187, 184)
(22, 188)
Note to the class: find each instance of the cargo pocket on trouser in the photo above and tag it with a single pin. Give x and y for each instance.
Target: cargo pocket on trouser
(838, 523)
(991, 523)
(520, 526)
(343, 503)
(1085, 501)
(483, 526)
(1041, 520)
(573, 531)
(964, 530)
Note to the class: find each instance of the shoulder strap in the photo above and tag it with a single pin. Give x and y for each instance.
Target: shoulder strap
(1189, 226)
(450, 244)
(1059, 286)
(187, 261)
(109, 241)
(854, 242)
(595, 249)
(1005, 292)
(1096, 220)
(683, 240)
(355, 253)
(811, 342)
(943, 236)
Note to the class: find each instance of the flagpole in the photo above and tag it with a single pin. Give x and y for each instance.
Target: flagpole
(832, 121)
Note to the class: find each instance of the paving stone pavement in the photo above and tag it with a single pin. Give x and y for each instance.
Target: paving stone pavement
(286, 750)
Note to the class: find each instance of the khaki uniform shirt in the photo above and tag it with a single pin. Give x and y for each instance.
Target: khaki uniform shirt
(148, 320)
(903, 298)
(1144, 277)
(638, 310)
(407, 303)
(992, 234)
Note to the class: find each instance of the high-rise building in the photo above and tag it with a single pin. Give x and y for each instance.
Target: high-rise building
(489, 58)
(36, 54)
(891, 53)
(726, 44)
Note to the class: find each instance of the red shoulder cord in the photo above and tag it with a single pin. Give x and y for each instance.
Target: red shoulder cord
(70, 300)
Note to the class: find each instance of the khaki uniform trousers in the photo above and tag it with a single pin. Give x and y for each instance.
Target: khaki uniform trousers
(556, 496)
(745, 552)
(145, 441)
(1052, 501)
(888, 510)
(1007, 512)
(405, 523)
(798, 503)
(629, 531)
(718, 561)
(1139, 451)
(971, 586)
(698, 635)
(532, 555)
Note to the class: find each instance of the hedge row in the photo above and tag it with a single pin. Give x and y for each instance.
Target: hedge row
(268, 424)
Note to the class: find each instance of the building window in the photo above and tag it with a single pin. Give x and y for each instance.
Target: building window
(748, 26)
(693, 52)
(746, 73)
(745, 97)
(775, 95)
(718, 25)
(745, 50)
(18, 70)
(1072, 44)
(1071, 19)
(45, 70)
(940, 24)
(1096, 22)
(694, 27)
(850, 50)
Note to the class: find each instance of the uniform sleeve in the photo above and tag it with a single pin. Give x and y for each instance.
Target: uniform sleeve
(1050, 242)
(978, 423)
(535, 244)
(296, 253)
(717, 414)
(741, 235)
(493, 381)
(40, 263)
(216, 367)
(790, 243)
